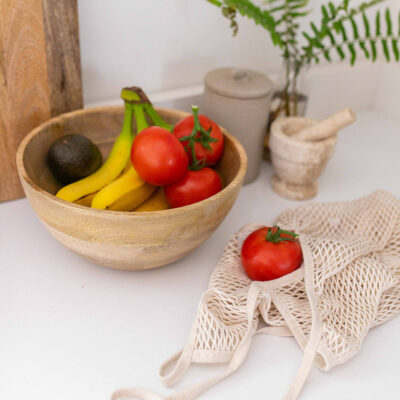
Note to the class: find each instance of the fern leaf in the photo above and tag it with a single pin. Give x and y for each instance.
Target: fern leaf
(295, 14)
(364, 48)
(308, 37)
(395, 49)
(355, 29)
(325, 13)
(327, 55)
(385, 49)
(248, 9)
(276, 38)
(332, 9)
(373, 50)
(230, 14)
(388, 22)
(340, 52)
(340, 29)
(366, 25)
(302, 4)
(314, 28)
(331, 37)
(352, 51)
(315, 41)
(398, 33)
(215, 2)
(378, 23)
(275, 9)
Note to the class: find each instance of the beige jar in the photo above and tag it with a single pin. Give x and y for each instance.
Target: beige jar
(239, 100)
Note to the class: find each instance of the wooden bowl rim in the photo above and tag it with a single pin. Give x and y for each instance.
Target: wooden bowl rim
(117, 214)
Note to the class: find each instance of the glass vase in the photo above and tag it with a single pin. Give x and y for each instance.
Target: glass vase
(290, 97)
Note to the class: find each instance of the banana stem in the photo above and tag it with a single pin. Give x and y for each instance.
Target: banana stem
(141, 122)
(156, 118)
(128, 117)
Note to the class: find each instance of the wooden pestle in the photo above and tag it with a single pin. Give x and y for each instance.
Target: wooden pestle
(327, 127)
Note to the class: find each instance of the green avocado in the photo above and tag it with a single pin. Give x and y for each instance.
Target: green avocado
(73, 157)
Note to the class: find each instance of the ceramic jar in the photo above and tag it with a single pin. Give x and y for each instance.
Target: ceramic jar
(239, 100)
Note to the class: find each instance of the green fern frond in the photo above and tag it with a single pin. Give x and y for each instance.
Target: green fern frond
(247, 9)
(338, 30)
(353, 53)
(340, 52)
(230, 14)
(388, 22)
(355, 29)
(395, 49)
(378, 23)
(398, 19)
(366, 25)
(325, 13)
(332, 9)
(385, 49)
(373, 50)
(364, 48)
(347, 40)
(331, 38)
(341, 29)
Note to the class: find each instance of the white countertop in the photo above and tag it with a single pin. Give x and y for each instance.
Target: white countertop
(70, 330)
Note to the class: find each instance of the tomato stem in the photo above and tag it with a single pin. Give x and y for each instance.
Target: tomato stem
(198, 135)
(274, 235)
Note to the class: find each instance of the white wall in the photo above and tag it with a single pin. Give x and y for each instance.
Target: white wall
(165, 44)
(162, 44)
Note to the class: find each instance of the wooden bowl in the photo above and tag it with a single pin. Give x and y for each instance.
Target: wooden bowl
(121, 240)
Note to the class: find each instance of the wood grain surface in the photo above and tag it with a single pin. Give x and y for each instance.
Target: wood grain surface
(62, 51)
(32, 88)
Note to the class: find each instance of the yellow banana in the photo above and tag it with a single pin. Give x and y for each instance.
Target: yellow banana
(129, 190)
(124, 194)
(156, 202)
(115, 162)
(133, 198)
(107, 187)
(85, 200)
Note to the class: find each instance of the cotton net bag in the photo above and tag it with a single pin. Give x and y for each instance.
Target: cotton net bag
(348, 283)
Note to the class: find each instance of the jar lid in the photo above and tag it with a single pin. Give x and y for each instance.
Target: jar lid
(238, 83)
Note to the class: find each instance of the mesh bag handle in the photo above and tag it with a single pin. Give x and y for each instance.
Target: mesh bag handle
(183, 361)
(180, 362)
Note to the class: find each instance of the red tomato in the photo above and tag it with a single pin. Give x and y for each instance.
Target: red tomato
(158, 156)
(185, 128)
(193, 187)
(264, 260)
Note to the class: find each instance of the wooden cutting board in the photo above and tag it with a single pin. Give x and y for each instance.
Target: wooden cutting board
(40, 74)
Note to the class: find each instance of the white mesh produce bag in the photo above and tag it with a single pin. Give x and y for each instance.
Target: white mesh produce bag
(349, 282)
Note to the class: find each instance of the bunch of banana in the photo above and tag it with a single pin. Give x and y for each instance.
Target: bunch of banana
(116, 185)
(156, 202)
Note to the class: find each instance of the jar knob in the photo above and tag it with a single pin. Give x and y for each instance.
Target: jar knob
(240, 75)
